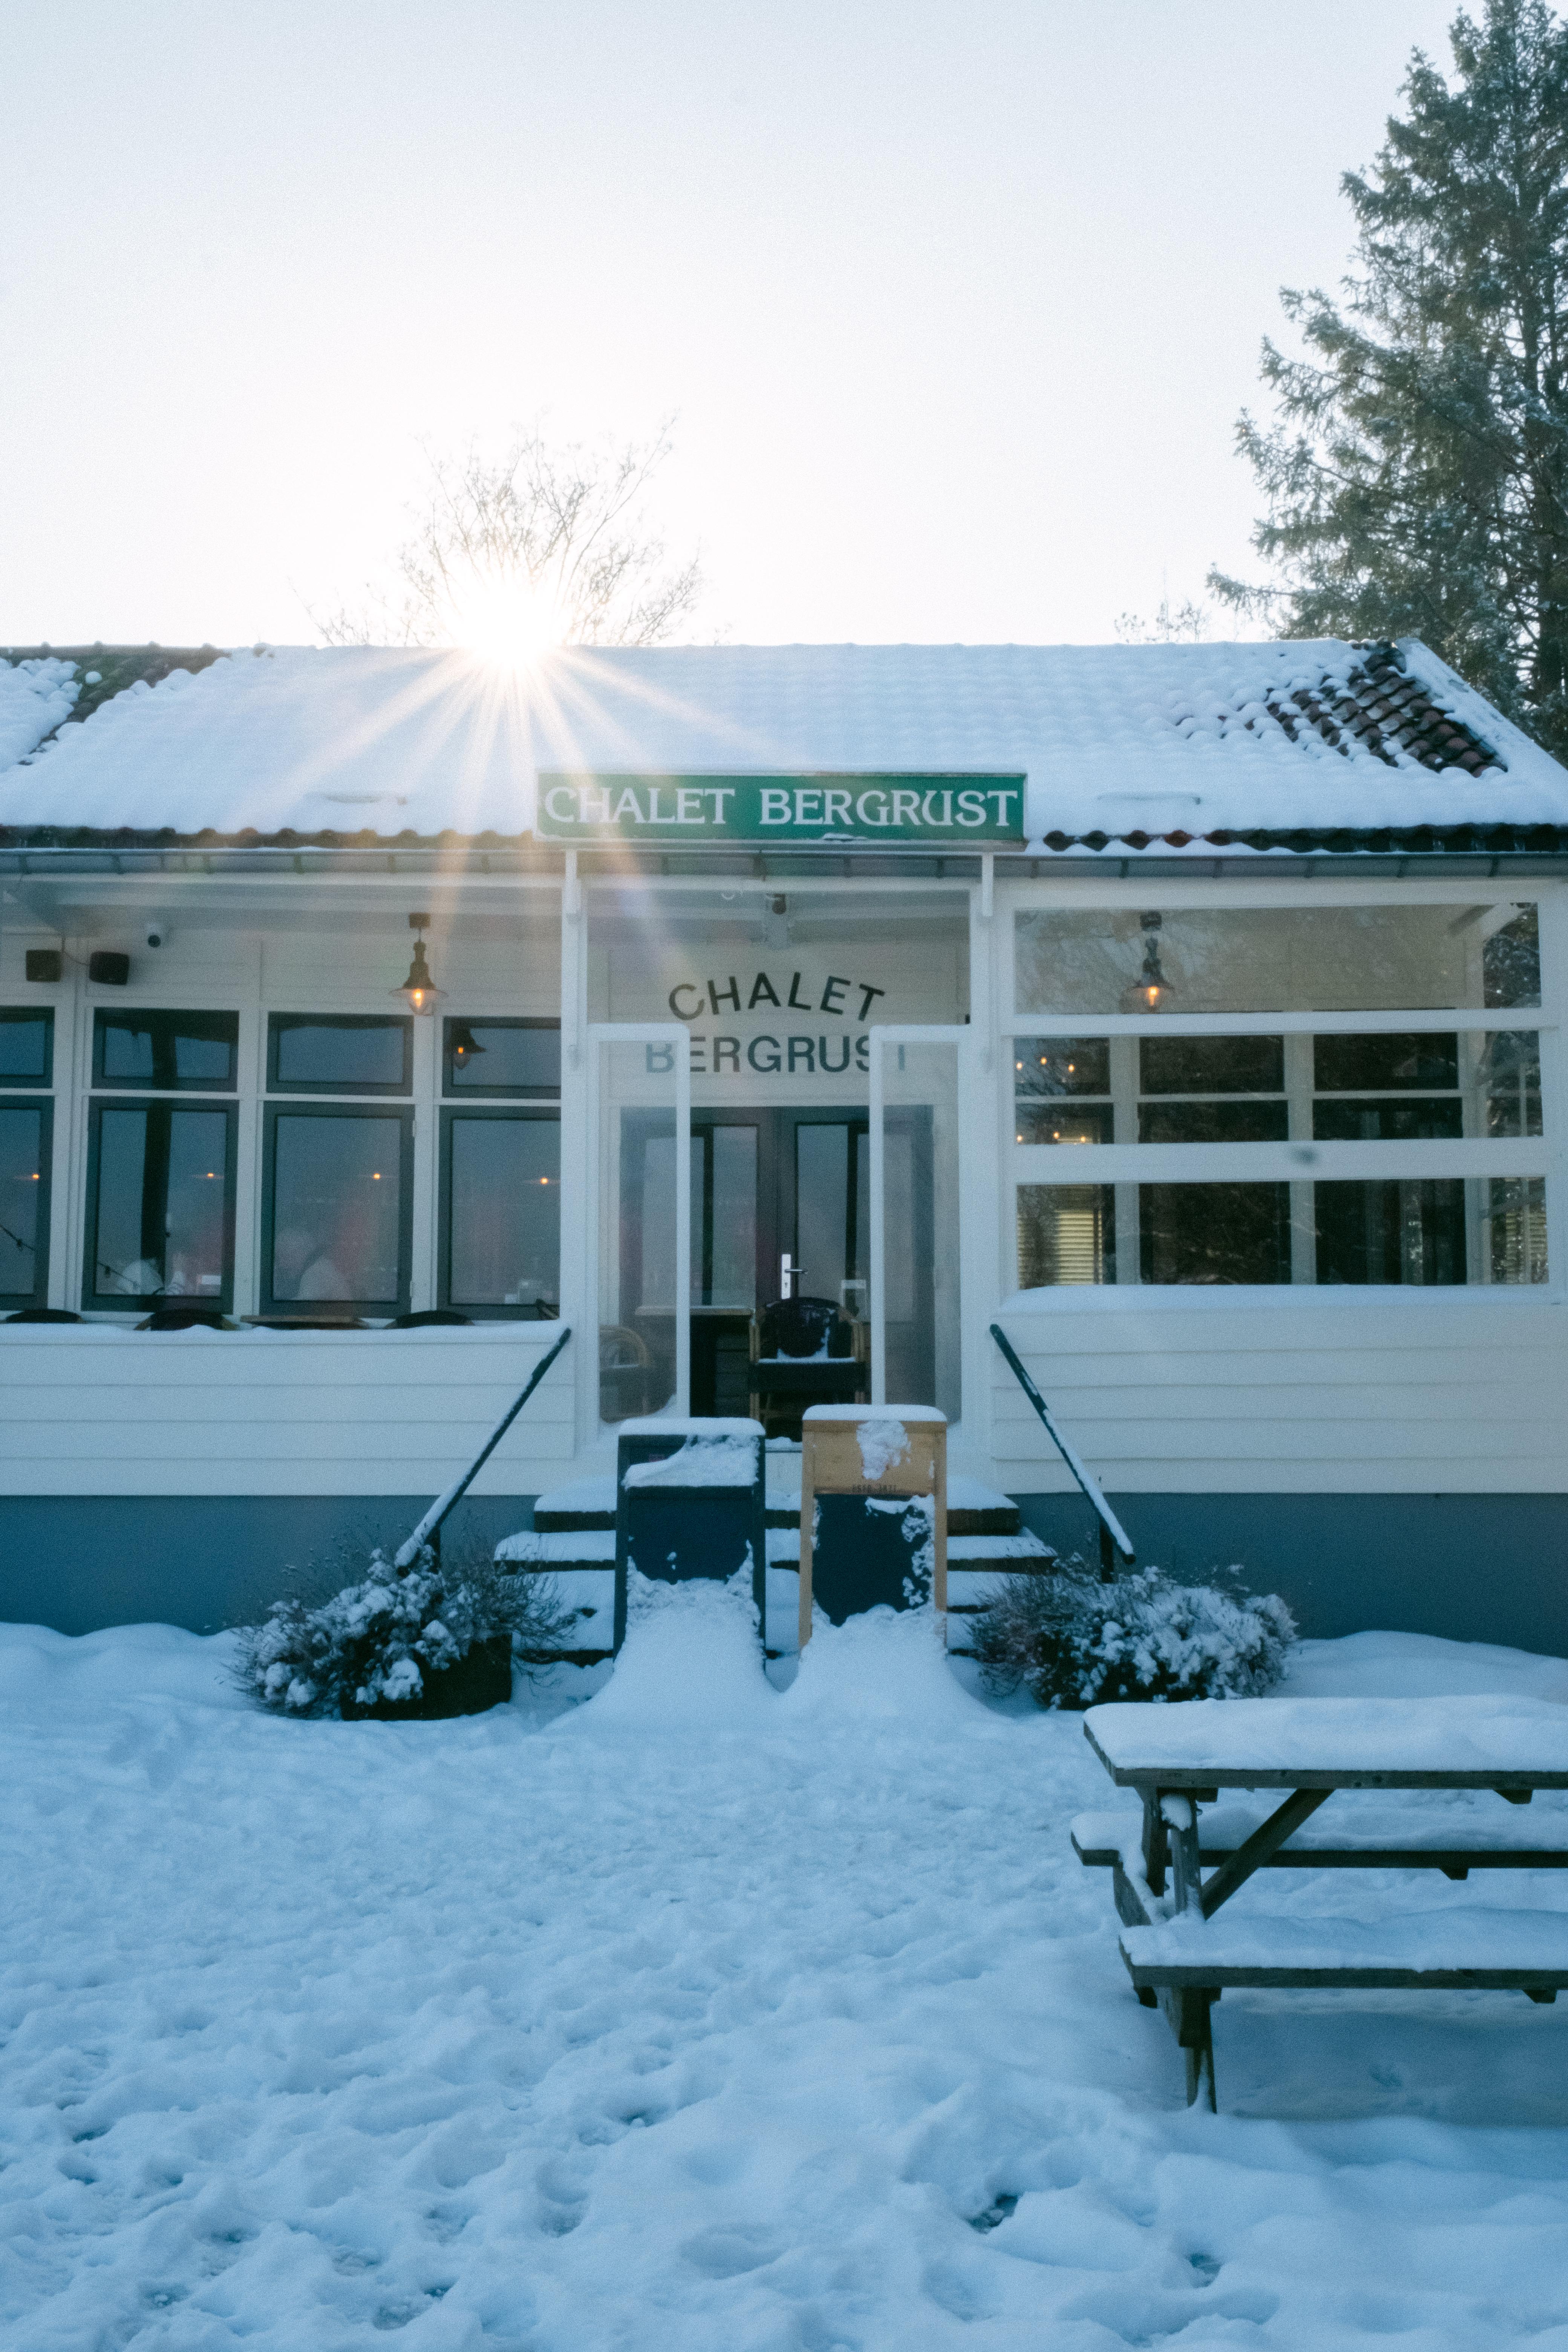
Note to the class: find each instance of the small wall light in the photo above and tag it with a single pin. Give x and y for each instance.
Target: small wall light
(419, 992)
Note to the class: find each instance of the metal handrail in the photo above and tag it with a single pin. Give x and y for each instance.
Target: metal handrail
(429, 1527)
(1110, 1526)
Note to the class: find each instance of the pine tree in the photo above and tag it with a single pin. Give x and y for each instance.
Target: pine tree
(1415, 476)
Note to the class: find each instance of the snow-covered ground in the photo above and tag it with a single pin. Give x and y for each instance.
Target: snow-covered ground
(703, 2016)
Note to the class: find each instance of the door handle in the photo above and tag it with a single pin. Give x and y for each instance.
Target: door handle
(789, 1275)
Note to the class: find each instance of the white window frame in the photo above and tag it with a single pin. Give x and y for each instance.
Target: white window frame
(1298, 1160)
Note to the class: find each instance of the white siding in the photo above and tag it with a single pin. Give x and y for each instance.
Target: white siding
(1299, 1394)
(91, 1410)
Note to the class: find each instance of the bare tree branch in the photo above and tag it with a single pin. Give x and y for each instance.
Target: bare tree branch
(564, 525)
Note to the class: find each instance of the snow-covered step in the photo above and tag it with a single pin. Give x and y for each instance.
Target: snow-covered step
(581, 1563)
(974, 1565)
(584, 1503)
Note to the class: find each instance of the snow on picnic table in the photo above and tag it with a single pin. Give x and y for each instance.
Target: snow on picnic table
(705, 2017)
(1503, 1732)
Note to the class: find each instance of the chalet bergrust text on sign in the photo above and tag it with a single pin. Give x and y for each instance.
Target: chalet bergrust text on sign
(926, 810)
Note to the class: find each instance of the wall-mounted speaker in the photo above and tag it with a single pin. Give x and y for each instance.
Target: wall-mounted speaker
(45, 964)
(107, 968)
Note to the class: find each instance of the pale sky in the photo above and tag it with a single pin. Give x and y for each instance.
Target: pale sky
(955, 303)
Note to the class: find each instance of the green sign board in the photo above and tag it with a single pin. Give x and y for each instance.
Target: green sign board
(930, 812)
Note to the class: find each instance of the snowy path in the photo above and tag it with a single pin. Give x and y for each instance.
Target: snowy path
(698, 2017)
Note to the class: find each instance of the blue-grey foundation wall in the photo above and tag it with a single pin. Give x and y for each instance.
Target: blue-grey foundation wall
(80, 1562)
(1473, 1568)
(1476, 1568)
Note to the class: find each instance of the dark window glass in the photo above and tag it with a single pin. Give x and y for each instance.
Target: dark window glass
(25, 1131)
(337, 1210)
(1214, 1233)
(159, 1203)
(501, 1214)
(27, 1048)
(1211, 1066)
(340, 1053)
(1405, 1118)
(1379, 1065)
(1061, 1066)
(165, 1050)
(503, 1057)
(1064, 1122)
(1396, 1232)
(1510, 961)
(1067, 1233)
(1213, 1122)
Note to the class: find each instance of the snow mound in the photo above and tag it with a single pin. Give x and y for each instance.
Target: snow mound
(691, 1659)
(1419, 1665)
(51, 1674)
(884, 1667)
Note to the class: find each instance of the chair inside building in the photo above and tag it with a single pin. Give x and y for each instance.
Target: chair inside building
(806, 1351)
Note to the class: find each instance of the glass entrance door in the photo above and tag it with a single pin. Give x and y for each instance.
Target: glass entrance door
(764, 1186)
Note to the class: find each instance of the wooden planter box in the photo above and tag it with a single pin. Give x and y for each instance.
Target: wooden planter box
(481, 1680)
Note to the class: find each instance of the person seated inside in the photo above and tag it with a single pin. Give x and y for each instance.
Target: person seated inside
(303, 1267)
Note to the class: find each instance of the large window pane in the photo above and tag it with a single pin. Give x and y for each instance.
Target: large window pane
(1056, 1084)
(1214, 1233)
(1411, 1231)
(1278, 958)
(833, 1214)
(26, 1040)
(337, 1210)
(165, 1050)
(159, 1223)
(1067, 1233)
(347, 1053)
(1211, 1066)
(1380, 1064)
(1213, 1122)
(502, 1058)
(24, 1201)
(503, 1211)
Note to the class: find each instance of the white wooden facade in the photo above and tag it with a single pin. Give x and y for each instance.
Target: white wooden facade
(1289, 1389)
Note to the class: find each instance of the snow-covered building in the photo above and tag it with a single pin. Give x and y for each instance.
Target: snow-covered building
(1195, 1012)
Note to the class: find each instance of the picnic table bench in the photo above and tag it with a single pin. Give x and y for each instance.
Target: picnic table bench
(1178, 1758)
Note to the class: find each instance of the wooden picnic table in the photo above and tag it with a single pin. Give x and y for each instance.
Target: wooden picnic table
(1178, 1757)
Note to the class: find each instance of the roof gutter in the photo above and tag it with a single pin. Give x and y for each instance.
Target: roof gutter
(544, 864)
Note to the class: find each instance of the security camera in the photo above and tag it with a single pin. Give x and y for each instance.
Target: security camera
(157, 932)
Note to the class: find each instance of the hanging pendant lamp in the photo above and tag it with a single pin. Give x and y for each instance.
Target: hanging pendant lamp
(1151, 990)
(419, 992)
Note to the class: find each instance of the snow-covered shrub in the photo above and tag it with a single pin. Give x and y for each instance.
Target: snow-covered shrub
(1074, 1641)
(379, 1640)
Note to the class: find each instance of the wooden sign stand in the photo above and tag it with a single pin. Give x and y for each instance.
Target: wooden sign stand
(841, 1455)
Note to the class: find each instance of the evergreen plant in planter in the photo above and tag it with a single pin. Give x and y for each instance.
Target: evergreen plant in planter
(1074, 1640)
(437, 1639)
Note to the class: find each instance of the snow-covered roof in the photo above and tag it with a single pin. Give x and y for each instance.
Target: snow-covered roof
(1122, 744)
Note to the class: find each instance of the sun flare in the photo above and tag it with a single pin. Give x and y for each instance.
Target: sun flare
(510, 623)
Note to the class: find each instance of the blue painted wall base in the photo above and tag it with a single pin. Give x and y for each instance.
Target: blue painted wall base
(204, 1561)
(1475, 1567)
(1472, 1568)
